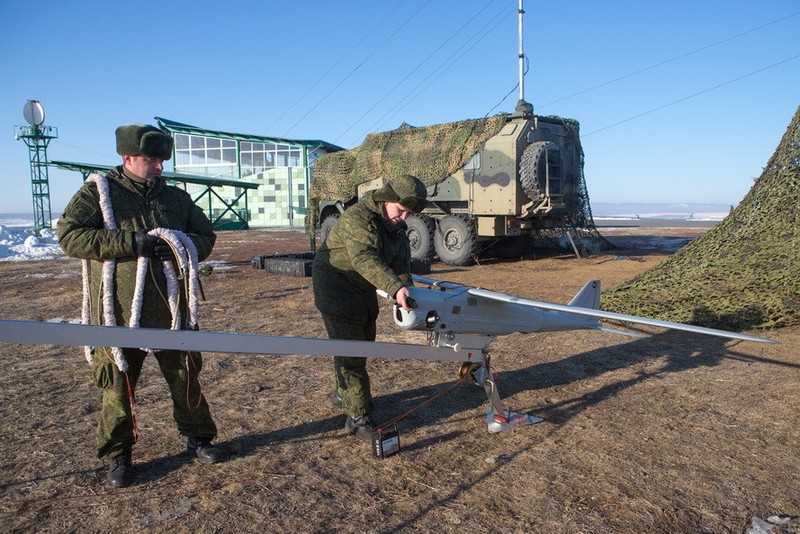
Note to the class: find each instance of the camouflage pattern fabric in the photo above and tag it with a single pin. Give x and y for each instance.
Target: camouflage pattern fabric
(81, 234)
(742, 274)
(360, 254)
(350, 377)
(431, 153)
(181, 370)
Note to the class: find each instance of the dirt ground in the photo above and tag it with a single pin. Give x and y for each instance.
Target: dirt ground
(674, 432)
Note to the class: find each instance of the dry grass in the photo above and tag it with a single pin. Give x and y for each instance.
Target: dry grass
(668, 433)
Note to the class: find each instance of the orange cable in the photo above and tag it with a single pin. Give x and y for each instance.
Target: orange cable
(420, 405)
(132, 401)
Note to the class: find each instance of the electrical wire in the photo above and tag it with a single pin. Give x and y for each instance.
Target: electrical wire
(670, 60)
(415, 69)
(513, 89)
(84, 149)
(583, 135)
(313, 85)
(441, 69)
(409, 97)
(363, 62)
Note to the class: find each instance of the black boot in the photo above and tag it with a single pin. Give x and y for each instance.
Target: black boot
(204, 450)
(361, 426)
(120, 471)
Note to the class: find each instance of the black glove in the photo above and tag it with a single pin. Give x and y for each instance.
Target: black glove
(163, 251)
(144, 244)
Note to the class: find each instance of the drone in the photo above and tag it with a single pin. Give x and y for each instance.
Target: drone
(461, 323)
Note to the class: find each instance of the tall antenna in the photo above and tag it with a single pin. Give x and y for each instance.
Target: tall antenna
(521, 56)
(523, 108)
(37, 137)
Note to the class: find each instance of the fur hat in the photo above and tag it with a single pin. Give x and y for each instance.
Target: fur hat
(407, 190)
(143, 140)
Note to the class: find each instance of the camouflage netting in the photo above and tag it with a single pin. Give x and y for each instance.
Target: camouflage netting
(580, 221)
(430, 153)
(745, 273)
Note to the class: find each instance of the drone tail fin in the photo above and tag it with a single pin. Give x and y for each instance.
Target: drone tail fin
(588, 296)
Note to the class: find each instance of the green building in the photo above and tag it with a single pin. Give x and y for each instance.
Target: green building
(279, 168)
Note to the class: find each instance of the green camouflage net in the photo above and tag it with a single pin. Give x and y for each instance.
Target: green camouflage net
(431, 153)
(744, 273)
(579, 222)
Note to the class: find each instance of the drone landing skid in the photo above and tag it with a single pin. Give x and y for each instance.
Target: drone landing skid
(498, 418)
(508, 420)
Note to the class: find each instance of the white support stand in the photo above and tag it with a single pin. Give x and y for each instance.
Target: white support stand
(497, 417)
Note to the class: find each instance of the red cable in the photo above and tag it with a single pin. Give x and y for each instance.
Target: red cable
(415, 408)
(132, 401)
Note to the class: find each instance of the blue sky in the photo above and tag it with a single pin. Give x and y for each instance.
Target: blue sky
(681, 101)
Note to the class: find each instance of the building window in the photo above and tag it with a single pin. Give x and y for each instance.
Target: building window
(259, 157)
(203, 151)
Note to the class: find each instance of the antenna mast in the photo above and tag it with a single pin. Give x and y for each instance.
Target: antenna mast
(521, 56)
(523, 108)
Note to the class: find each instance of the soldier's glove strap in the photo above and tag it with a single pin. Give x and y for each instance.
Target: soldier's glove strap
(144, 244)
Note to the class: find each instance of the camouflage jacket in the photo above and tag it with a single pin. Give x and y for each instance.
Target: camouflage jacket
(82, 234)
(359, 255)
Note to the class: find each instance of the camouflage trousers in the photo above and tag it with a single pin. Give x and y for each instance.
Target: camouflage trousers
(350, 374)
(115, 432)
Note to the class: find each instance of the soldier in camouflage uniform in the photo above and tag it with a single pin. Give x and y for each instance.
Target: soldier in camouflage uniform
(141, 201)
(367, 249)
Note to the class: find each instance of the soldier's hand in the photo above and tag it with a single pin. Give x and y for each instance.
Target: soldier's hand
(403, 298)
(163, 251)
(144, 244)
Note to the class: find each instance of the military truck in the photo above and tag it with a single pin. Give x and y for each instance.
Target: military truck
(492, 182)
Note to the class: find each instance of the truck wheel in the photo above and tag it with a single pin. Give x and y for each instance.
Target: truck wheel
(420, 235)
(533, 168)
(456, 240)
(509, 248)
(325, 227)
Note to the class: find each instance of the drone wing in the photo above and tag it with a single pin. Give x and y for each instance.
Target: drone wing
(593, 288)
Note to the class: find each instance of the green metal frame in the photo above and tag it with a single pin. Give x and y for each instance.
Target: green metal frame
(37, 138)
(210, 183)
